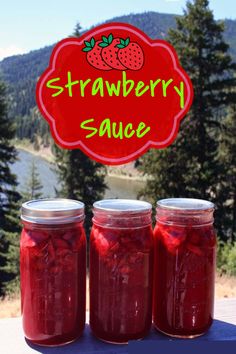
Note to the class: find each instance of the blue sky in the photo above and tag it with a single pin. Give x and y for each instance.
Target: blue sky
(27, 24)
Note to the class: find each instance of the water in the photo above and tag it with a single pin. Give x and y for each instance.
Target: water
(117, 187)
(122, 188)
(46, 171)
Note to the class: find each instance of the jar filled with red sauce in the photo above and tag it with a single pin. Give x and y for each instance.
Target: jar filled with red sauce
(121, 270)
(53, 271)
(184, 270)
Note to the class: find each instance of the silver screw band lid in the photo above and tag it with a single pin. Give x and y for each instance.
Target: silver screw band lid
(188, 204)
(122, 206)
(52, 211)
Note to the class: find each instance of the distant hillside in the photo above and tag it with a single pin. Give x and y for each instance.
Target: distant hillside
(20, 72)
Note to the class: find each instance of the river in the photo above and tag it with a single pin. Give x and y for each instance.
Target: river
(117, 187)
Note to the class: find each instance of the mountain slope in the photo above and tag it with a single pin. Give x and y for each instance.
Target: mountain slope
(20, 73)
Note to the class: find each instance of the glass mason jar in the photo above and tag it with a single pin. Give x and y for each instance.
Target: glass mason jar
(184, 271)
(53, 270)
(121, 267)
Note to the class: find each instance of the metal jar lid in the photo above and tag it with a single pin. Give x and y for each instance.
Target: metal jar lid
(185, 204)
(122, 206)
(52, 211)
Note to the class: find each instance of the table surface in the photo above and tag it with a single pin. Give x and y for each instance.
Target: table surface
(12, 340)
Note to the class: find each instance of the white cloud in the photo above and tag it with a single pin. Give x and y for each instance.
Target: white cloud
(10, 50)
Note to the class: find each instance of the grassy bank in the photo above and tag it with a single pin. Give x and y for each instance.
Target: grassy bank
(43, 152)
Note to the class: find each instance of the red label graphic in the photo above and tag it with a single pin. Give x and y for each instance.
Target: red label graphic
(114, 93)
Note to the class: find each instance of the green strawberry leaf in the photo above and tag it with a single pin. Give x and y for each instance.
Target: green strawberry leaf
(92, 42)
(110, 38)
(87, 44)
(127, 41)
(103, 45)
(122, 41)
(86, 49)
(105, 40)
(120, 46)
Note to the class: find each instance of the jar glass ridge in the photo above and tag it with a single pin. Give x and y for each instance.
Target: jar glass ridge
(185, 211)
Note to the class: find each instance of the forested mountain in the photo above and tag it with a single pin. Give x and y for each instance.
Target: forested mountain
(20, 72)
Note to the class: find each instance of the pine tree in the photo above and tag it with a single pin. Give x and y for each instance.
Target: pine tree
(11, 258)
(190, 167)
(9, 221)
(81, 178)
(227, 191)
(33, 185)
(77, 30)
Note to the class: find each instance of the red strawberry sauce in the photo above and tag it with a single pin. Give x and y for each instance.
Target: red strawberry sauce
(121, 263)
(184, 242)
(53, 282)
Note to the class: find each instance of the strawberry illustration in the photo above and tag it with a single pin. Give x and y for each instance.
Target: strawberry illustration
(110, 52)
(94, 57)
(130, 54)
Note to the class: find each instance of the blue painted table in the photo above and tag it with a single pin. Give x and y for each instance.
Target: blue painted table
(12, 340)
